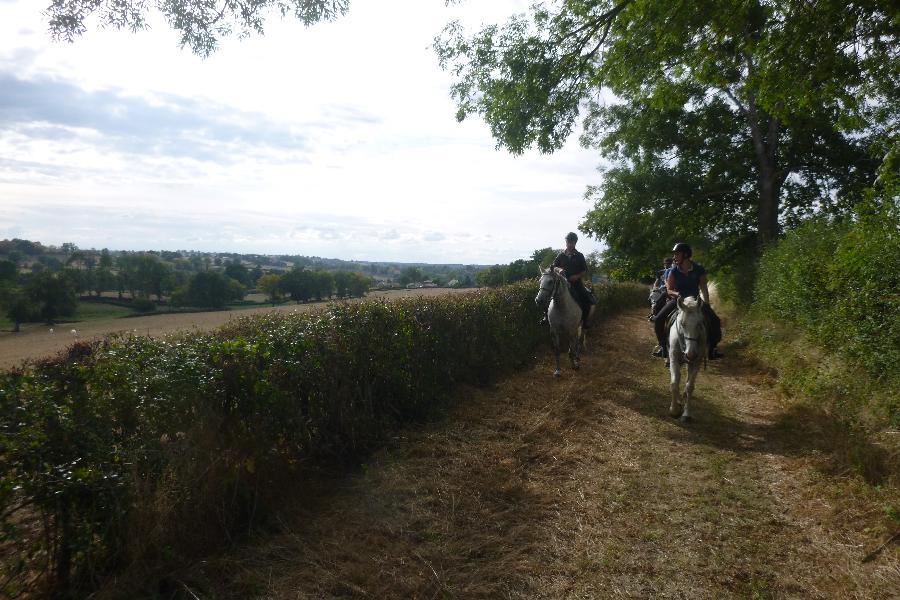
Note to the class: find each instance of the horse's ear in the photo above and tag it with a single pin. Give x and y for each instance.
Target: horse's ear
(680, 302)
(540, 270)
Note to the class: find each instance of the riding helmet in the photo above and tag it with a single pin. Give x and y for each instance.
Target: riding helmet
(571, 237)
(682, 247)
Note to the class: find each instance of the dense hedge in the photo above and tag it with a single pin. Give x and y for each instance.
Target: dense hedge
(140, 449)
(840, 282)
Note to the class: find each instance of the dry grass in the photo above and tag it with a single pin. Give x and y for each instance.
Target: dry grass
(36, 340)
(580, 488)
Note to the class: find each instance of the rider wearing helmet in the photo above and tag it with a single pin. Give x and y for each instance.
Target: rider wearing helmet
(572, 263)
(686, 278)
(658, 297)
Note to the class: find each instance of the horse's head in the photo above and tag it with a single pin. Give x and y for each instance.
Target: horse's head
(691, 327)
(550, 282)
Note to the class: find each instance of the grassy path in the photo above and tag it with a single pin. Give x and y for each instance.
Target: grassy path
(583, 488)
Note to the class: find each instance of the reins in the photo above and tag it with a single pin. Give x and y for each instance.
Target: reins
(683, 337)
(554, 291)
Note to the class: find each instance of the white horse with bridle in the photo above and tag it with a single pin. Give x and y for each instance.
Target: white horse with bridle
(687, 345)
(563, 314)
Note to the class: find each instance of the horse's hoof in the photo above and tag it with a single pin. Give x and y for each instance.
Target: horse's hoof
(675, 412)
(575, 366)
(557, 373)
(686, 418)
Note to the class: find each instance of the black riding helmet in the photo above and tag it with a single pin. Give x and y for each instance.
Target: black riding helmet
(682, 247)
(571, 237)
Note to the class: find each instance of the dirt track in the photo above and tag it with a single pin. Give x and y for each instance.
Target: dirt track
(37, 341)
(583, 488)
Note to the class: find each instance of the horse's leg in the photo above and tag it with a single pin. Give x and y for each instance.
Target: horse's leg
(575, 348)
(554, 340)
(675, 371)
(693, 369)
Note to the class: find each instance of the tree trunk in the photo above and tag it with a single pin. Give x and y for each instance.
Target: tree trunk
(769, 178)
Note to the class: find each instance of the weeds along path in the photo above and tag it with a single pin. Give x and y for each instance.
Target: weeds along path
(582, 488)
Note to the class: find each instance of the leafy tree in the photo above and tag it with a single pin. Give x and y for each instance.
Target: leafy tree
(51, 295)
(323, 284)
(237, 271)
(297, 284)
(270, 284)
(200, 24)
(105, 259)
(144, 274)
(208, 289)
(342, 281)
(410, 275)
(359, 285)
(104, 280)
(255, 274)
(50, 263)
(8, 271)
(753, 113)
(544, 257)
(15, 304)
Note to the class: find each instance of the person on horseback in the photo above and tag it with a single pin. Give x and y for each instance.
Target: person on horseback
(572, 264)
(658, 296)
(686, 278)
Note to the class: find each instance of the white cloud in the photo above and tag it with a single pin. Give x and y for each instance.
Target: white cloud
(337, 140)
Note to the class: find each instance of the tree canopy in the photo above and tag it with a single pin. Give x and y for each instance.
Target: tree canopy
(200, 24)
(722, 121)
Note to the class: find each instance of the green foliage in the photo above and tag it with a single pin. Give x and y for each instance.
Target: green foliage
(270, 284)
(209, 289)
(200, 24)
(50, 296)
(838, 280)
(517, 270)
(734, 118)
(143, 305)
(411, 275)
(137, 449)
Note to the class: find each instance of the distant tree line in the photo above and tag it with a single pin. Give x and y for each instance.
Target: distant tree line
(43, 284)
(528, 268)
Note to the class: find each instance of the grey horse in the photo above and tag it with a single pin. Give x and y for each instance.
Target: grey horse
(687, 345)
(564, 315)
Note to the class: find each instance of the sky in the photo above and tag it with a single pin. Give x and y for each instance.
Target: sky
(338, 140)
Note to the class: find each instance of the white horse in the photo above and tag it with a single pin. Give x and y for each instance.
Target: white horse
(688, 345)
(564, 315)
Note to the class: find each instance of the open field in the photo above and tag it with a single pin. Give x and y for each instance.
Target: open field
(38, 340)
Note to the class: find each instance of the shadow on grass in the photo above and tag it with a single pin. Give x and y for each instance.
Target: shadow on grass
(799, 430)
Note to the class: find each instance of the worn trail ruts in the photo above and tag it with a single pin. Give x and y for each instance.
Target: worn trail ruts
(581, 488)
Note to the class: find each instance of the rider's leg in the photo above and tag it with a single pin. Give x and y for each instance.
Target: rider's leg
(715, 330)
(659, 325)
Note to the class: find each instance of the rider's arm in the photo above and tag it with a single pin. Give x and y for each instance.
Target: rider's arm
(704, 290)
(578, 262)
(670, 285)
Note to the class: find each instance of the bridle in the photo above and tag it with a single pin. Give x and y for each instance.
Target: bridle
(683, 337)
(554, 288)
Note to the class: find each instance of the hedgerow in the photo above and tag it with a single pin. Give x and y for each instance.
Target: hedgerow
(145, 450)
(839, 281)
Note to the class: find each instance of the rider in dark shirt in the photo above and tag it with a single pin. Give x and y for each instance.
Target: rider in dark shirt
(687, 278)
(658, 296)
(573, 264)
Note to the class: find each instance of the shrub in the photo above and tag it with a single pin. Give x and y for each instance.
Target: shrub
(139, 449)
(143, 304)
(839, 282)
